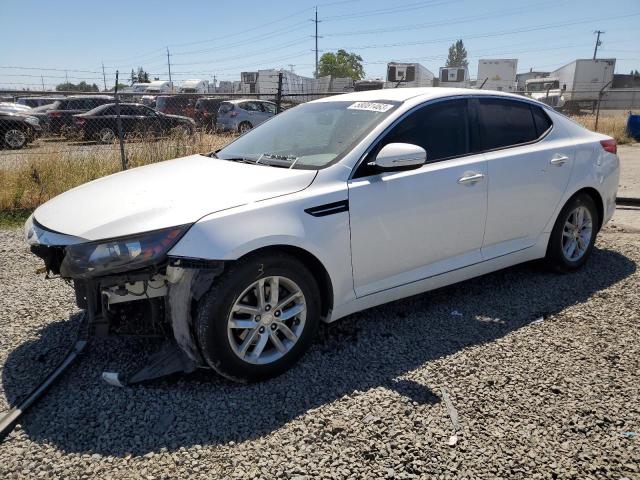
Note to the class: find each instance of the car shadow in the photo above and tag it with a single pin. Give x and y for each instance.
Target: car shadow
(370, 349)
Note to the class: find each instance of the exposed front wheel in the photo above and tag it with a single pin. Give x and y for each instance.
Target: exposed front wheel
(573, 234)
(259, 318)
(15, 138)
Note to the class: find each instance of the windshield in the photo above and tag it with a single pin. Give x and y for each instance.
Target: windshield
(311, 135)
(542, 86)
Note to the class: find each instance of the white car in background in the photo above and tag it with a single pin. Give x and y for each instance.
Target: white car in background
(329, 208)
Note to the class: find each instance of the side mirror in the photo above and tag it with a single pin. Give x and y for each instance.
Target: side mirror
(400, 155)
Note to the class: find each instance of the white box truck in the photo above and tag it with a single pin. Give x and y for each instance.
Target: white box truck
(579, 82)
(159, 86)
(408, 75)
(497, 74)
(195, 86)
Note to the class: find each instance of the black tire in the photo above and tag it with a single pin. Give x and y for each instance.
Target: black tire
(244, 127)
(215, 306)
(556, 258)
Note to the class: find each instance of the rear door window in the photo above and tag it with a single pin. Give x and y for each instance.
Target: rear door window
(225, 107)
(269, 108)
(503, 123)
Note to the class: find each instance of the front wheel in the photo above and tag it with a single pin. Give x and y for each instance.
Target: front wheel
(573, 234)
(15, 138)
(259, 317)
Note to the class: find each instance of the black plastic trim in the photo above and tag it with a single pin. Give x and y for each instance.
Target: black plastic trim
(328, 209)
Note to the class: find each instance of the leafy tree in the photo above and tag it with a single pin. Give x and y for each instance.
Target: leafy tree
(635, 73)
(80, 87)
(341, 64)
(139, 77)
(457, 55)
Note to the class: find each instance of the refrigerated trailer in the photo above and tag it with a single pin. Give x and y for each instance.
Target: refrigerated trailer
(408, 75)
(497, 74)
(582, 80)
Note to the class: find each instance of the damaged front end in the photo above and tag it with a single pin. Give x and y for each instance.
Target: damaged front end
(125, 282)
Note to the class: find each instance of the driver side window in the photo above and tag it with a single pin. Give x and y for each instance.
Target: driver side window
(441, 128)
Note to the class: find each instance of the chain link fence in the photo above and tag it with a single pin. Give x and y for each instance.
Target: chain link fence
(53, 141)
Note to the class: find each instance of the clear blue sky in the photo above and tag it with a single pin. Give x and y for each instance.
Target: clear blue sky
(223, 38)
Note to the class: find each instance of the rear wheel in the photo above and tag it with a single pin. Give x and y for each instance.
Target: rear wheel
(259, 318)
(573, 234)
(15, 138)
(244, 127)
(106, 135)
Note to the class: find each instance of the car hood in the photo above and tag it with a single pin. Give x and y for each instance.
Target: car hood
(165, 194)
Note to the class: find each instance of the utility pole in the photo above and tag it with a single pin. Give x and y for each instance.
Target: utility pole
(169, 65)
(104, 78)
(42, 78)
(66, 76)
(291, 65)
(598, 43)
(316, 35)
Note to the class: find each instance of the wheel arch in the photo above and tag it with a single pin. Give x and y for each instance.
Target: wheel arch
(597, 200)
(315, 266)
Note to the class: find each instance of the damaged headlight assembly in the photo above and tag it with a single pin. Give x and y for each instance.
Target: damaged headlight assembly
(116, 255)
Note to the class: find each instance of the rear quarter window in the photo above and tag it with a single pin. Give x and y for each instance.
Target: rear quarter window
(541, 120)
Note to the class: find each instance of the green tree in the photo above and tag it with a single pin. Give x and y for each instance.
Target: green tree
(80, 87)
(457, 55)
(143, 77)
(341, 64)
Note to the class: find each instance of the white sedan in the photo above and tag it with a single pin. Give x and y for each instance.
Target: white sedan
(329, 208)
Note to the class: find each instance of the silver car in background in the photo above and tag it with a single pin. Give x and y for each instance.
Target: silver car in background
(242, 115)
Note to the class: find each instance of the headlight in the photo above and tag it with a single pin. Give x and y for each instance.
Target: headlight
(86, 260)
(32, 120)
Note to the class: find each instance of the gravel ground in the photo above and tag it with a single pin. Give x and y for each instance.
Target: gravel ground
(542, 369)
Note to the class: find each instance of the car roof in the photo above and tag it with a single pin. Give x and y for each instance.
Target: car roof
(404, 94)
(76, 97)
(247, 100)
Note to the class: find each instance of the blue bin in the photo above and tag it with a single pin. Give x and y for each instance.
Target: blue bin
(633, 126)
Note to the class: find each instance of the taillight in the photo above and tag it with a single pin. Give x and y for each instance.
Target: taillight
(55, 114)
(609, 145)
(80, 121)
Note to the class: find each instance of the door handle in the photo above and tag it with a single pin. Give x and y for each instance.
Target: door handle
(470, 178)
(558, 159)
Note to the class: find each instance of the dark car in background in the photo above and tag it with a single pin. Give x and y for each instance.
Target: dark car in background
(59, 116)
(206, 112)
(18, 129)
(101, 123)
(34, 102)
(176, 105)
(242, 115)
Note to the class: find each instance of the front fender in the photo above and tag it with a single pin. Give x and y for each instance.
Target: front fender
(230, 234)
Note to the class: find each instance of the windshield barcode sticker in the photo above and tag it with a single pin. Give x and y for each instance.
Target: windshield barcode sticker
(371, 106)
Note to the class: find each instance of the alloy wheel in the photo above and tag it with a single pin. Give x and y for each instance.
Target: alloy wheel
(266, 320)
(107, 135)
(576, 233)
(15, 138)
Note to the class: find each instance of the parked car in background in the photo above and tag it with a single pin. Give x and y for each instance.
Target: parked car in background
(59, 116)
(176, 105)
(34, 102)
(332, 207)
(148, 101)
(101, 122)
(17, 129)
(242, 115)
(10, 107)
(206, 112)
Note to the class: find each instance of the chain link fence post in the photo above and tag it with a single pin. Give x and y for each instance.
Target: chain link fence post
(279, 94)
(123, 155)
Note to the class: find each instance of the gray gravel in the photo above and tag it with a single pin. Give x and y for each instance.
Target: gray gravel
(541, 368)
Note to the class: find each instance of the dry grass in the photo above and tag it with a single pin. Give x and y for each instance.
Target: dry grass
(30, 177)
(614, 126)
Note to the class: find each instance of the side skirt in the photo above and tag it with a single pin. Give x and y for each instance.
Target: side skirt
(537, 251)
